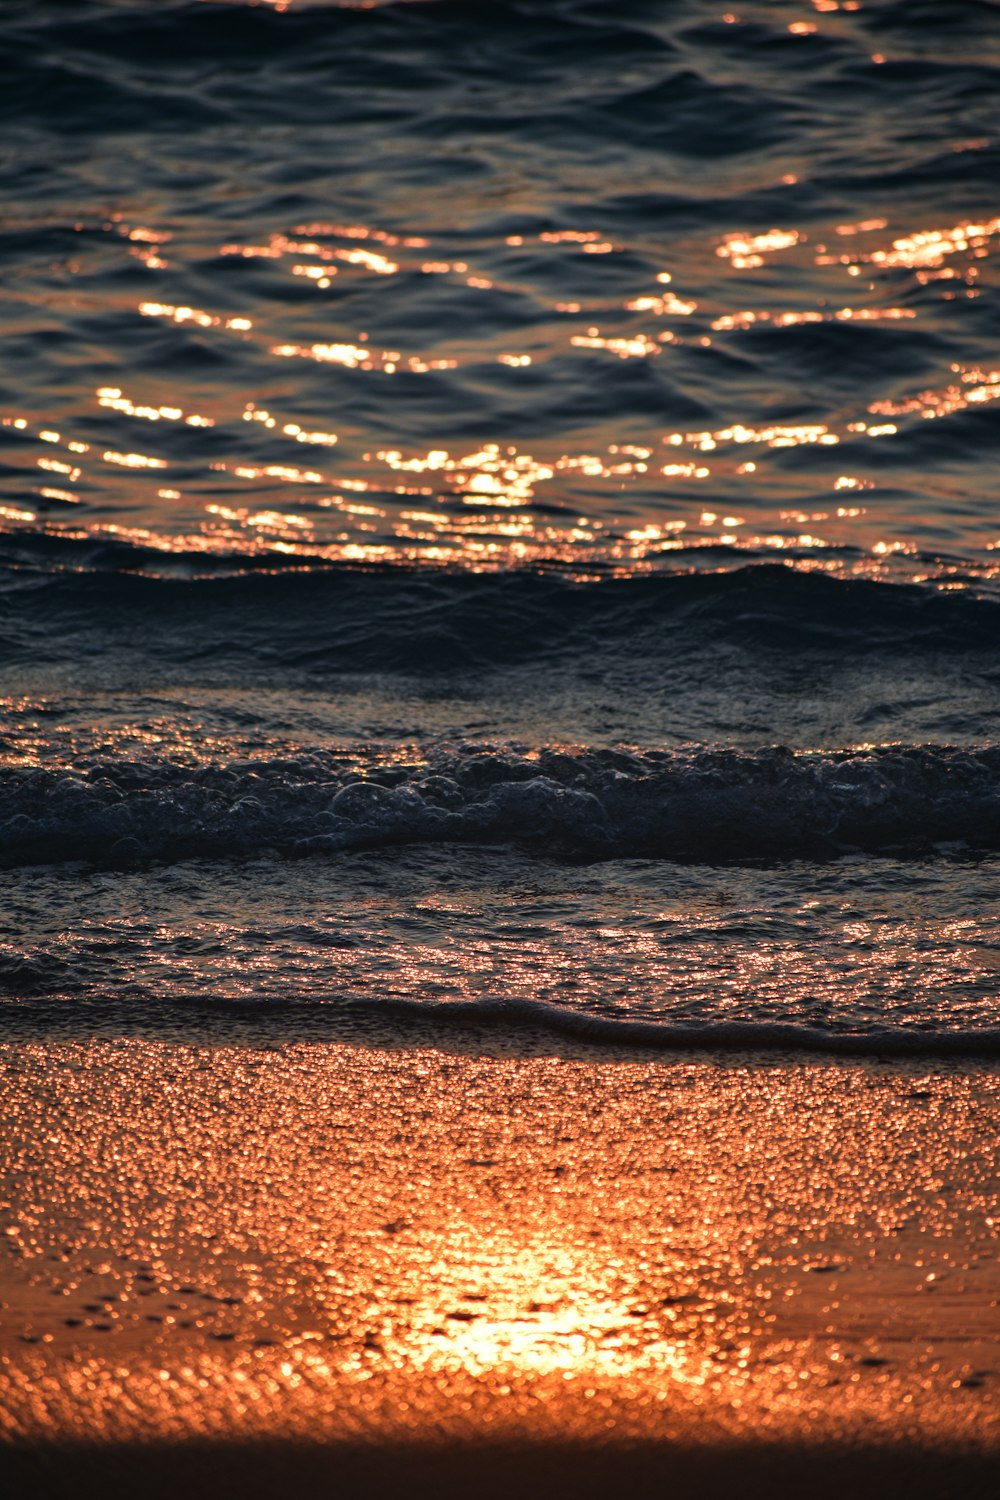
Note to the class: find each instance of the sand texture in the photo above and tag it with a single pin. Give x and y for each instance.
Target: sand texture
(356, 1265)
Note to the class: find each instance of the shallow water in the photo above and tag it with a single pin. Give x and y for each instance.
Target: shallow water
(497, 512)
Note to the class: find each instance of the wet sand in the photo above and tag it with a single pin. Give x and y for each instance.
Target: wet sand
(448, 1267)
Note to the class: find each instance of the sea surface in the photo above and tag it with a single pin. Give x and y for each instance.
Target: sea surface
(498, 517)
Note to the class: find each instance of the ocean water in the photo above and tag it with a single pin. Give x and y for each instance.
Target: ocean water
(498, 518)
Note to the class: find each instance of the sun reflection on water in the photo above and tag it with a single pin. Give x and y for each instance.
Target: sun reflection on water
(619, 502)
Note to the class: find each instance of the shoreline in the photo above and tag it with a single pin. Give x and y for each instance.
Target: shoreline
(329, 1258)
(494, 1027)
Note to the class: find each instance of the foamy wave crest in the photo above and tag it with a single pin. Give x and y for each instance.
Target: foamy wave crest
(704, 804)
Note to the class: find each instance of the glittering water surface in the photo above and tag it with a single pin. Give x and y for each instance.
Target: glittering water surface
(496, 507)
(601, 284)
(855, 955)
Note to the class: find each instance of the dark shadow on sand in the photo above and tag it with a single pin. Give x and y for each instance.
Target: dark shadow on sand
(492, 1471)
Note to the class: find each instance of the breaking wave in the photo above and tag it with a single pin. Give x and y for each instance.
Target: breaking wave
(701, 804)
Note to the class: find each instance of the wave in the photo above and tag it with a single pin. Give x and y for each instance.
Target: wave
(170, 67)
(423, 621)
(512, 1019)
(726, 1036)
(387, 59)
(702, 804)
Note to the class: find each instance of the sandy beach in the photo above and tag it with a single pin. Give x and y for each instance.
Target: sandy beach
(354, 1267)
(499, 750)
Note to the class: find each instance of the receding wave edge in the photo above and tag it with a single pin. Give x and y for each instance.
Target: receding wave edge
(514, 1019)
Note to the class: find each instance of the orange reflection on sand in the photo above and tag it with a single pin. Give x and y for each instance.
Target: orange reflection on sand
(552, 1310)
(329, 1240)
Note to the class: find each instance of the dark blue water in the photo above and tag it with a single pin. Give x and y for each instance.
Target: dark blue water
(497, 511)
